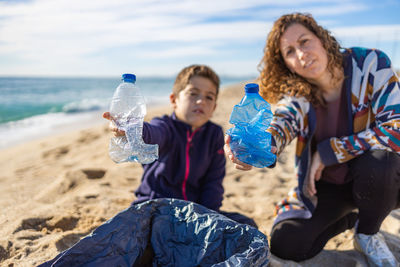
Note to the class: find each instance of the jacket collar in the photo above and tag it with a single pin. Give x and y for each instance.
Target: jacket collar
(185, 125)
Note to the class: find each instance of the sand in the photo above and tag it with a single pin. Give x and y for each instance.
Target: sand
(56, 190)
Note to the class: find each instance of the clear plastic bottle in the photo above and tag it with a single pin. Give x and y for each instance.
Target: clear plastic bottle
(127, 110)
(250, 142)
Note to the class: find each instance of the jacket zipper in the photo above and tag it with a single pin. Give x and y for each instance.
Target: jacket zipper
(187, 169)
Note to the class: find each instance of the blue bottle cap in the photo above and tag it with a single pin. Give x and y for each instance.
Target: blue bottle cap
(129, 78)
(251, 88)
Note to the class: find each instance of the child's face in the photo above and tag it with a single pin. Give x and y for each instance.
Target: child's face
(196, 103)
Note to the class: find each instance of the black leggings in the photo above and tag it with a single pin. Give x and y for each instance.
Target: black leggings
(374, 190)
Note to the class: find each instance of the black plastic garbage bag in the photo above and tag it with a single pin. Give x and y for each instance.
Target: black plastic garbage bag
(168, 232)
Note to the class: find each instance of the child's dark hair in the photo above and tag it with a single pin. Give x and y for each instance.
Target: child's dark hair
(182, 79)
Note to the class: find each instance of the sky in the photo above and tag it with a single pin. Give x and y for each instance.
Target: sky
(158, 38)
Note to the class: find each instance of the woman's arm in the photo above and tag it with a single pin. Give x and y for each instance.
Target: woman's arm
(290, 118)
(376, 117)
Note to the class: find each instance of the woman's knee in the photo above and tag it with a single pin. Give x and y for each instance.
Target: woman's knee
(376, 180)
(375, 163)
(377, 170)
(287, 242)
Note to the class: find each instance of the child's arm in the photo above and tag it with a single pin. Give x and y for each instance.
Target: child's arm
(154, 132)
(158, 132)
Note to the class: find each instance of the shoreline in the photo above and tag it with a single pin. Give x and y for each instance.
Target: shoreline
(38, 128)
(14, 135)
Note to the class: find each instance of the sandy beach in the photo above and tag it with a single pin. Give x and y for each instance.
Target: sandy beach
(56, 190)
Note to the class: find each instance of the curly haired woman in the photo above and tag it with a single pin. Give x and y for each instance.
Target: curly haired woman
(343, 105)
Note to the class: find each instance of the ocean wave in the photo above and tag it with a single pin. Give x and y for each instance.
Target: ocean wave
(86, 105)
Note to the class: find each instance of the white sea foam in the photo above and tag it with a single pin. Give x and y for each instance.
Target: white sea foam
(86, 105)
(36, 127)
(77, 115)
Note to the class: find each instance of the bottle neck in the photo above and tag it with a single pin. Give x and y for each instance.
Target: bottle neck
(252, 94)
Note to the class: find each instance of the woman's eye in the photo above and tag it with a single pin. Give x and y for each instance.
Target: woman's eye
(303, 42)
(289, 52)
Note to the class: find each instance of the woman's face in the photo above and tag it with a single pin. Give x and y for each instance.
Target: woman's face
(303, 53)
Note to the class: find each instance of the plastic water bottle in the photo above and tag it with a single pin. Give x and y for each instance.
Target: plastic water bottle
(127, 110)
(250, 142)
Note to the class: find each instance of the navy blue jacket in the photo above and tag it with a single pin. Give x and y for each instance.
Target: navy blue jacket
(191, 165)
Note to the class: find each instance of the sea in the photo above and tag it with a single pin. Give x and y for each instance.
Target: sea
(35, 107)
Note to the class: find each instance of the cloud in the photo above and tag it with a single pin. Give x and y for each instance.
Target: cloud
(383, 32)
(70, 35)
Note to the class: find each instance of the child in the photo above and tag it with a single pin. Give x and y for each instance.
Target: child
(191, 164)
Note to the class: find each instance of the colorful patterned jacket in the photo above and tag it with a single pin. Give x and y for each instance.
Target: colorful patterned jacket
(373, 97)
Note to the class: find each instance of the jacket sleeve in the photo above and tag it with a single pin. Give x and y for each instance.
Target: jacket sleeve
(212, 190)
(158, 132)
(377, 115)
(290, 118)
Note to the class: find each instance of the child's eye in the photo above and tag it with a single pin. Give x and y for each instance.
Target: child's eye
(211, 98)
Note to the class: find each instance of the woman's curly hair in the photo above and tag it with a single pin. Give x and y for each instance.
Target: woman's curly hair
(276, 79)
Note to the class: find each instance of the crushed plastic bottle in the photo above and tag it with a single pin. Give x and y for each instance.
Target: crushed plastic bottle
(250, 142)
(127, 110)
